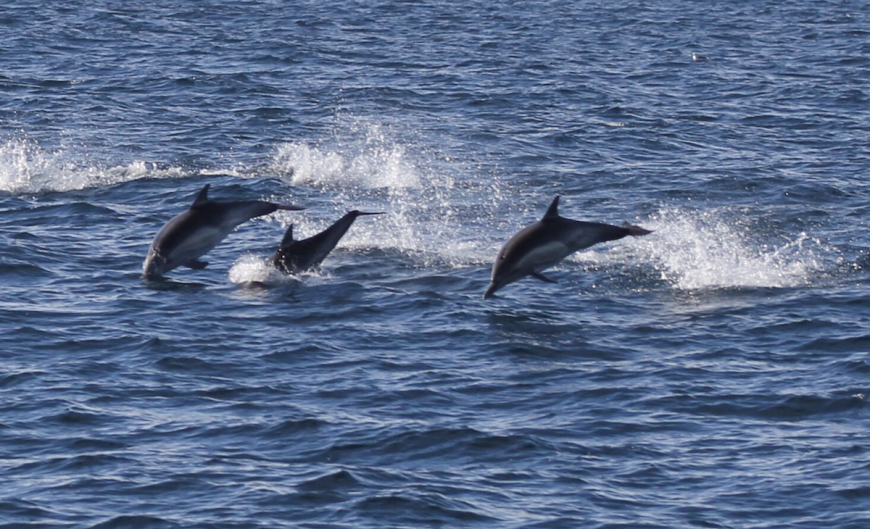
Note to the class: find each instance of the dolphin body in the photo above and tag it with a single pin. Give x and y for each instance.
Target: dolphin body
(548, 241)
(192, 234)
(297, 256)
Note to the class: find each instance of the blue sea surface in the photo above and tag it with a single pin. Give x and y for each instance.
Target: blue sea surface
(713, 374)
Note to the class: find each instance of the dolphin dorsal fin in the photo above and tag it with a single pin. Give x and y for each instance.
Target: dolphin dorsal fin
(201, 197)
(288, 237)
(553, 210)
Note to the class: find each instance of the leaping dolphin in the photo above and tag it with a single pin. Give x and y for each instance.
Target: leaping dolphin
(548, 241)
(192, 234)
(297, 256)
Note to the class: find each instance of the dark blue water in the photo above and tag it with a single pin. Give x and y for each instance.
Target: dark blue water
(711, 375)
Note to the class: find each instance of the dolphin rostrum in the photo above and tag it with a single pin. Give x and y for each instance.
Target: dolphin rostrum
(548, 241)
(192, 234)
(297, 256)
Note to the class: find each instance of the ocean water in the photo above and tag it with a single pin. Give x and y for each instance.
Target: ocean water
(713, 374)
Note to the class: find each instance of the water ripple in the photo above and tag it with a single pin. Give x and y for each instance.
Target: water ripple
(712, 374)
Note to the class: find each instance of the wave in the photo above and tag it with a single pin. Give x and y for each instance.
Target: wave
(365, 154)
(134, 522)
(339, 479)
(786, 407)
(416, 509)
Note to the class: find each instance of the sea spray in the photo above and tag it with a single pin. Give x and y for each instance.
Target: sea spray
(440, 210)
(695, 250)
(25, 167)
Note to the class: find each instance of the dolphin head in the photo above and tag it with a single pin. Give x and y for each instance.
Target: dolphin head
(154, 265)
(493, 288)
(504, 272)
(499, 281)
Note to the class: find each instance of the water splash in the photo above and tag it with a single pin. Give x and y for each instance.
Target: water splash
(437, 204)
(25, 167)
(253, 269)
(379, 166)
(362, 154)
(702, 250)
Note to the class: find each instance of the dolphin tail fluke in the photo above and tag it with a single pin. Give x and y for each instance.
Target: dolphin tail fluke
(348, 219)
(635, 231)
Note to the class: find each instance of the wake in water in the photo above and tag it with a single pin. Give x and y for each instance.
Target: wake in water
(706, 251)
(702, 250)
(435, 217)
(376, 165)
(252, 269)
(440, 211)
(437, 206)
(25, 167)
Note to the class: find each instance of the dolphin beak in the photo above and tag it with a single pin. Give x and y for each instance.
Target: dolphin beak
(490, 291)
(290, 207)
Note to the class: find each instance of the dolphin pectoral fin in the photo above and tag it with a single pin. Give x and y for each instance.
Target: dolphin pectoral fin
(635, 231)
(196, 265)
(542, 277)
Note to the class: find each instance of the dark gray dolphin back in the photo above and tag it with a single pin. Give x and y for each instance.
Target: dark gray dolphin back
(232, 213)
(557, 227)
(180, 226)
(297, 256)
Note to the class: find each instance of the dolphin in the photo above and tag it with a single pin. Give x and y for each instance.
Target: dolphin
(297, 256)
(548, 241)
(192, 234)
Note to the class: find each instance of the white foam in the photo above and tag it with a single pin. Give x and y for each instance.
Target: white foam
(423, 190)
(369, 160)
(702, 250)
(25, 167)
(253, 269)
